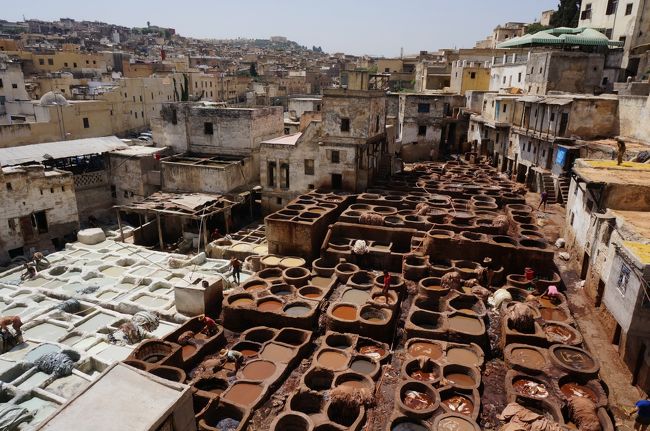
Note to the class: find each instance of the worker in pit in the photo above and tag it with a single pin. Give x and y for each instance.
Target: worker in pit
(642, 420)
(235, 264)
(210, 327)
(40, 261)
(552, 294)
(30, 272)
(387, 282)
(15, 323)
(620, 151)
(233, 356)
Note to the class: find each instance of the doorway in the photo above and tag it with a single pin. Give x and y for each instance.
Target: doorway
(616, 338)
(585, 267)
(337, 181)
(599, 293)
(640, 359)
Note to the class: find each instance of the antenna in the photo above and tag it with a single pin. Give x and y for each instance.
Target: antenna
(401, 52)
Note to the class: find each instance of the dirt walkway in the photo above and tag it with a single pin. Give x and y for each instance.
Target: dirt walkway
(613, 371)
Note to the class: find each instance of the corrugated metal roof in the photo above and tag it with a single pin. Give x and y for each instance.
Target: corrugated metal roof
(557, 101)
(59, 150)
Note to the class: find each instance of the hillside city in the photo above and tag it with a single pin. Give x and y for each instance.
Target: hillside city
(252, 234)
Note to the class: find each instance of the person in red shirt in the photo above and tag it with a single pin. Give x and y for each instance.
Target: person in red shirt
(387, 281)
(210, 327)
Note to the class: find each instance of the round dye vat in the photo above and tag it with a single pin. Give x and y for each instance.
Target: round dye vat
(573, 389)
(465, 324)
(409, 426)
(362, 366)
(374, 352)
(249, 353)
(345, 312)
(373, 315)
(255, 287)
(459, 404)
(243, 394)
(355, 384)
(467, 311)
(553, 314)
(425, 376)
(558, 334)
(270, 305)
(530, 388)
(276, 352)
(332, 360)
(297, 310)
(547, 303)
(455, 424)
(462, 356)
(258, 370)
(417, 400)
(460, 379)
(574, 358)
(187, 351)
(355, 296)
(242, 302)
(528, 358)
(430, 350)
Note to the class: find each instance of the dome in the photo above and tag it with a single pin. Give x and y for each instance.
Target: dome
(52, 98)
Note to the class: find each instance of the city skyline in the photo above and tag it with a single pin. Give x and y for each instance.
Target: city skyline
(271, 18)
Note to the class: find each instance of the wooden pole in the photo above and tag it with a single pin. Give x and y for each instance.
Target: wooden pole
(119, 224)
(205, 235)
(160, 235)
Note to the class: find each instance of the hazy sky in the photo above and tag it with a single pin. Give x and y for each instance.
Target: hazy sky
(378, 27)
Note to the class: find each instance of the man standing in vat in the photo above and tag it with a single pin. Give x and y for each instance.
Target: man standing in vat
(235, 264)
(543, 201)
(387, 281)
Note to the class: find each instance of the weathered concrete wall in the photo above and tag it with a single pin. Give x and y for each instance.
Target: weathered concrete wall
(93, 194)
(633, 114)
(564, 71)
(185, 177)
(130, 177)
(182, 126)
(27, 190)
(593, 118)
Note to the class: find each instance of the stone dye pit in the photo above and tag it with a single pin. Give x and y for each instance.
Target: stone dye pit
(309, 340)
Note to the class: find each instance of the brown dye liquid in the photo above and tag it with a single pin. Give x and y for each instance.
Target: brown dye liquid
(431, 350)
(270, 305)
(200, 336)
(528, 357)
(530, 388)
(553, 314)
(465, 324)
(375, 352)
(459, 404)
(423, 376)
(417, 400)
(242, 302)
(249, 353)
(188, 350)
(256, 287)
(332, 360)
(275, 352)
(320, 281)
(558, 333)
(575, 390)
(355, 384)
(460, 379)
(455, 424)
(258, 370)
(312, 295)
(243, 394)
(547, 303)
(467, 311)
(345, 312)
(458, 355)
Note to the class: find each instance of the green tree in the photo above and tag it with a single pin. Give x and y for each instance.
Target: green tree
(535, 27)
(253, 70)
(567, 14)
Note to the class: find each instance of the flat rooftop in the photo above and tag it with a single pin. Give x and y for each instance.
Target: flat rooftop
(123, 398)
(284, 140)
(607, 171)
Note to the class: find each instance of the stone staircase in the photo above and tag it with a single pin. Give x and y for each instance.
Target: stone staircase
(564, 183)
(549, 186)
